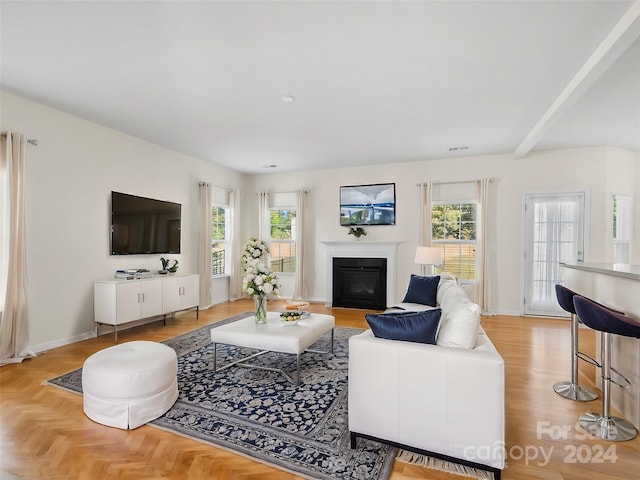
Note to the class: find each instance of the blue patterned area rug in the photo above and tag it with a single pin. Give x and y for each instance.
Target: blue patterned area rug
(260, 414)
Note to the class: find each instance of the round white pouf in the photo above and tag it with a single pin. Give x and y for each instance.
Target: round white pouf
(130, 384)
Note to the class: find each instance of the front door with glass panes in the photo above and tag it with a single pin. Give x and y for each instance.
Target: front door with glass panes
(554, 233)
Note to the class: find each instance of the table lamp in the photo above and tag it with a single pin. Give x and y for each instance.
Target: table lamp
(428, 256)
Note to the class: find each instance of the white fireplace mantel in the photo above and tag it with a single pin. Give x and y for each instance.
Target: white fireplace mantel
(363, 249)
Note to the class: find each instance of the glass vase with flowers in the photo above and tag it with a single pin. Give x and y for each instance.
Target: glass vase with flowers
(259, 281)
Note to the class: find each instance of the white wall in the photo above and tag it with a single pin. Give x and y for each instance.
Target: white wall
(71, 173)
(585, 169)
(69, 178)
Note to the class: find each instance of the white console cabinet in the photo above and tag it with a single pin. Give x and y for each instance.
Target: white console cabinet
(118, 301)
(180, 293)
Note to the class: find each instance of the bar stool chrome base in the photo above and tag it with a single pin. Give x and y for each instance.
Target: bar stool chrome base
(570, 389)
(573, 391)
(615, 429)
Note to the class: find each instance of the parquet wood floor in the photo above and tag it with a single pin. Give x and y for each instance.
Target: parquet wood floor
(45, 435)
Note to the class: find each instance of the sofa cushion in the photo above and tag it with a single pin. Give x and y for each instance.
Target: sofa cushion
(420, 327)
(447, 276)
(422, 290)
(460, 321)
(443, 286)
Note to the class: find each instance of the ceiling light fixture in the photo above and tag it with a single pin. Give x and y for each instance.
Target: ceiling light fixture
(288, 98)
(271, 165)
(453, 149)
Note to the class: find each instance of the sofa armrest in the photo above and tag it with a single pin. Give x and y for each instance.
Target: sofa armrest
(440, 399)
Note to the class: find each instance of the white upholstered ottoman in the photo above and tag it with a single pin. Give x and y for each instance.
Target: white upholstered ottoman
(130, 384)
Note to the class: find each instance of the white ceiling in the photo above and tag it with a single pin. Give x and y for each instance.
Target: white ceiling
(374, 82)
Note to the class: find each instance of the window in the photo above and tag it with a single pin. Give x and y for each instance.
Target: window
(621, 228)
(454, 231)
(219, 240)
(282, 248)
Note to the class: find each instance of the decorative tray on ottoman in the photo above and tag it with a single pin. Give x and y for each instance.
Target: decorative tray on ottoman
(292, 317)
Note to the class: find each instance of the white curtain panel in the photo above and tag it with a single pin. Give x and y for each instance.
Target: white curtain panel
(624, 227)
(426, 189)
(14, 318)
(299, 290)
(426, 229)
(235, 243)
(263, 217)
(549, 241)
(204, 245)
(483, 270)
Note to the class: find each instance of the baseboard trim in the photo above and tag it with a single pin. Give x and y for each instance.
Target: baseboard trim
(43, 347)
(105, 329)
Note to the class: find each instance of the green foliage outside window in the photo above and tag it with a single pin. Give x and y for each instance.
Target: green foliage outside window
(454, 221)
(281, 224)
(218, 237)
(218, 230)
(454, 230)
(283, 245)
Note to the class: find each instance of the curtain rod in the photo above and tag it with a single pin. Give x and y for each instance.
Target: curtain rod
(201, 184)
(30, 141)
(451, 183)
(306, 190)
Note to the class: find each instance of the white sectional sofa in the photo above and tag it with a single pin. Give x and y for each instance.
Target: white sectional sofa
(445, 400)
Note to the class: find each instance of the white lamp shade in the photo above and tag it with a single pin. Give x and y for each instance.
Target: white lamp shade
(428, 256)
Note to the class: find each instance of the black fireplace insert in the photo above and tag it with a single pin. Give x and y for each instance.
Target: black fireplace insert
(360, 282)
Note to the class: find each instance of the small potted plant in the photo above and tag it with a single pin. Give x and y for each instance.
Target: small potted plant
(166, 268)
(357, 231)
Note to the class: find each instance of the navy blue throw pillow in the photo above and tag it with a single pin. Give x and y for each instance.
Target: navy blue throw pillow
(422, 290)
(421, 327)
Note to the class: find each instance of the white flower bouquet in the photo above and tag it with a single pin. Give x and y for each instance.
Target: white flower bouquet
(259, 280)
(253, 250)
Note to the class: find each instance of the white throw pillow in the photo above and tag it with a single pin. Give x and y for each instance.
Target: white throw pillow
(451, 295)
(443, 286)
(460, 322)
(447, 276)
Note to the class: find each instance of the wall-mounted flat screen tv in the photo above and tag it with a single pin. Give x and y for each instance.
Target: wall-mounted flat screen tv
(142, 225)
(368, 204)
